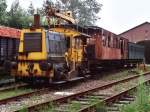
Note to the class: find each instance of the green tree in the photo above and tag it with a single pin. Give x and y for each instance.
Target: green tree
(17, 17)
(88, 12)
(3, 7)
(84, 11)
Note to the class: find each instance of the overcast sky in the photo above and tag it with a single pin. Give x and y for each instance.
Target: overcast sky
(116, 15)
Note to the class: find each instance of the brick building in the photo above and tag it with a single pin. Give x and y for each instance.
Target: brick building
(140, 35)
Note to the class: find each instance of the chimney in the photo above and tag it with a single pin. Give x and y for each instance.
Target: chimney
(36, 20)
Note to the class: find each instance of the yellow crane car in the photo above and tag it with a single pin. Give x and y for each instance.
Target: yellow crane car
(56, 54)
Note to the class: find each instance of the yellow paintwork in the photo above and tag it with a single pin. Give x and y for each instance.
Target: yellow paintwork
(23, 66)
(66, 17)
(74, 55)
(67, 32)
(33, 55)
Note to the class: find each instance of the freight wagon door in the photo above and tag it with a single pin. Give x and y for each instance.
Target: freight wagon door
(124, 48)
(146, 44)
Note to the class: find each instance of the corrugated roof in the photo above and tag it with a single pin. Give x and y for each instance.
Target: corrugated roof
(9, 32)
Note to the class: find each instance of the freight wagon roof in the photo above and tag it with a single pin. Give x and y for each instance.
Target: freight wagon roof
(98, 29)
(93, 29)
(9, 32)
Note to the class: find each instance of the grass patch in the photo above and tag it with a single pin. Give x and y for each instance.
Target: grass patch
(49, 108)
(24, 110)
(74, 106)
(15, 92)
(121, 74)
(125, 73)
(93, 100)
(100, 107)
(124, 86)
(148, 67)
(141, 103)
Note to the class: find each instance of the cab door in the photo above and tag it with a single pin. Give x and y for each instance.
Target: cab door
(78, 49)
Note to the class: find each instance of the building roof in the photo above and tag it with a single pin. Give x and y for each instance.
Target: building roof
(135, 27)
(9, 32)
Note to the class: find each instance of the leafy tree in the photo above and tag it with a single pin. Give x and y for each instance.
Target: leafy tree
(88, 12)
(31, 9)
(17, 17)
(84, 11)
(3, 7)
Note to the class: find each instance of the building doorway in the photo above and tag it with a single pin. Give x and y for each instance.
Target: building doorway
(146, 44)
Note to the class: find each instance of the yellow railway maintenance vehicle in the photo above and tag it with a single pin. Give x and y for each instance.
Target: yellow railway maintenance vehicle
(53, 55)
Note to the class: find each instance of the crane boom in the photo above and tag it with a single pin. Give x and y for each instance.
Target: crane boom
(66, 15)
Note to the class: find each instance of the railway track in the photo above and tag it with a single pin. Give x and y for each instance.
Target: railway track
(87, 102)
(81, 97)
(13, 86)
(112, 102)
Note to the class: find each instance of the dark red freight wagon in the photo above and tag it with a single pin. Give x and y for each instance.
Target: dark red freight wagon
(9, 43)
(106, 49)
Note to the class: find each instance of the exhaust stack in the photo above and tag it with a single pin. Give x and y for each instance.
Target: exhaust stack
(36, 20)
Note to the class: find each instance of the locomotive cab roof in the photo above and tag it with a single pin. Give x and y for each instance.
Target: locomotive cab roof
(74, 31)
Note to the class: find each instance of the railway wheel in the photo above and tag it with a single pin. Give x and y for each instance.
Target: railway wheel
(59, 75)
(82, 71)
